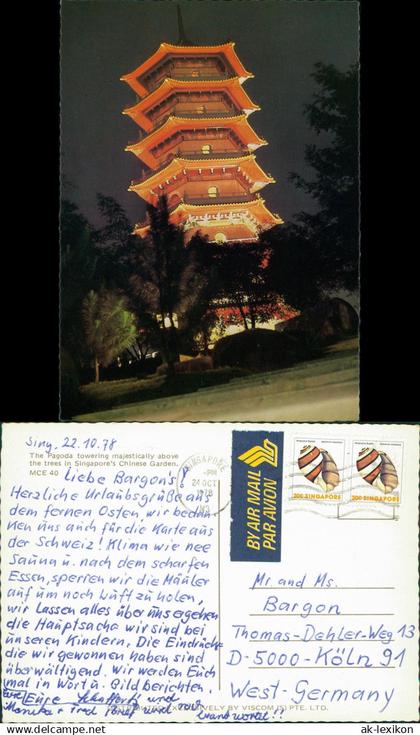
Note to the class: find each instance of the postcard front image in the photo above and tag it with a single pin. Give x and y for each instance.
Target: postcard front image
(209, 222)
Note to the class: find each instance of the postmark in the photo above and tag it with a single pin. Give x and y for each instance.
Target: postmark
(203, 484)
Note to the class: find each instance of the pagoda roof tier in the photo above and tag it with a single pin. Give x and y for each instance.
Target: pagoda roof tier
(255, 208)
(139, 111)
(238, 124)
(169, 49)
(179, 165)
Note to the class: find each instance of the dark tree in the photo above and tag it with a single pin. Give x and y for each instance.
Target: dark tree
(77, 277)
(210, 326)
(171, 282)
(115, 243)
(333, 231)
(243, 286)
(293, 268)
(77, 271)
(117, 228)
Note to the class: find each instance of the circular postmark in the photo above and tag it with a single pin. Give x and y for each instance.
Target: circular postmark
(203, 484)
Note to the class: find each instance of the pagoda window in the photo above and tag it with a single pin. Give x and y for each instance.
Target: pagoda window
(201, 109)
(213, 191)
(206, 149)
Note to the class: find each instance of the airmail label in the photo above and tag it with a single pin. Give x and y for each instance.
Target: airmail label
(257, 470)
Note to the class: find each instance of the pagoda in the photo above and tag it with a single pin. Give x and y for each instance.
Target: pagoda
(196, 143)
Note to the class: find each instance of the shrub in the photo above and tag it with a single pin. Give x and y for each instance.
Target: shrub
(328, 321)
(196, 365)
(265, 349)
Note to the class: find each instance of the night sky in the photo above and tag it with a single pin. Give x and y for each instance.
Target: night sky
(278, 42)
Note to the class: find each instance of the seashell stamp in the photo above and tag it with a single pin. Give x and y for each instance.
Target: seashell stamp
(319, 467)
(358, 479)
(376, 476)
(377, 468)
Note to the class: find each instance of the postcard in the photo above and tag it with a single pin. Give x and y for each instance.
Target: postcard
(210, 211)
(208, 573)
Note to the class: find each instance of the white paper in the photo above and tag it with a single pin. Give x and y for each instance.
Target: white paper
(121, 603)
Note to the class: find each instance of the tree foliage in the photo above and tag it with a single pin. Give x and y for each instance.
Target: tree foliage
(333, 231)
(78, 258)
(171, 281)
(243, 285)
(109, 328)
(115, 243)
(211, 326)
(77, 272)
(293, 267)
(117, 227)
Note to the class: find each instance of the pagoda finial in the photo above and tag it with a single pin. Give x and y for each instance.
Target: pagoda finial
(182, 40)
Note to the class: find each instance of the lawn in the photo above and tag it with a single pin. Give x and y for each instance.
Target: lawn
(109, 394)
(113, 393)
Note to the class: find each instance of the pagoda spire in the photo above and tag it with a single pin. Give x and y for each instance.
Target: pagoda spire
(182, 39)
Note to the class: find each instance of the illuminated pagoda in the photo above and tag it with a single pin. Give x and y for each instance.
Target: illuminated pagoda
(197, 143)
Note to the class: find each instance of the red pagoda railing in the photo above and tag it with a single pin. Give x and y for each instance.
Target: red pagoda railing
(177, 112)
(185, 76)
(238, 199)
(226, 153)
